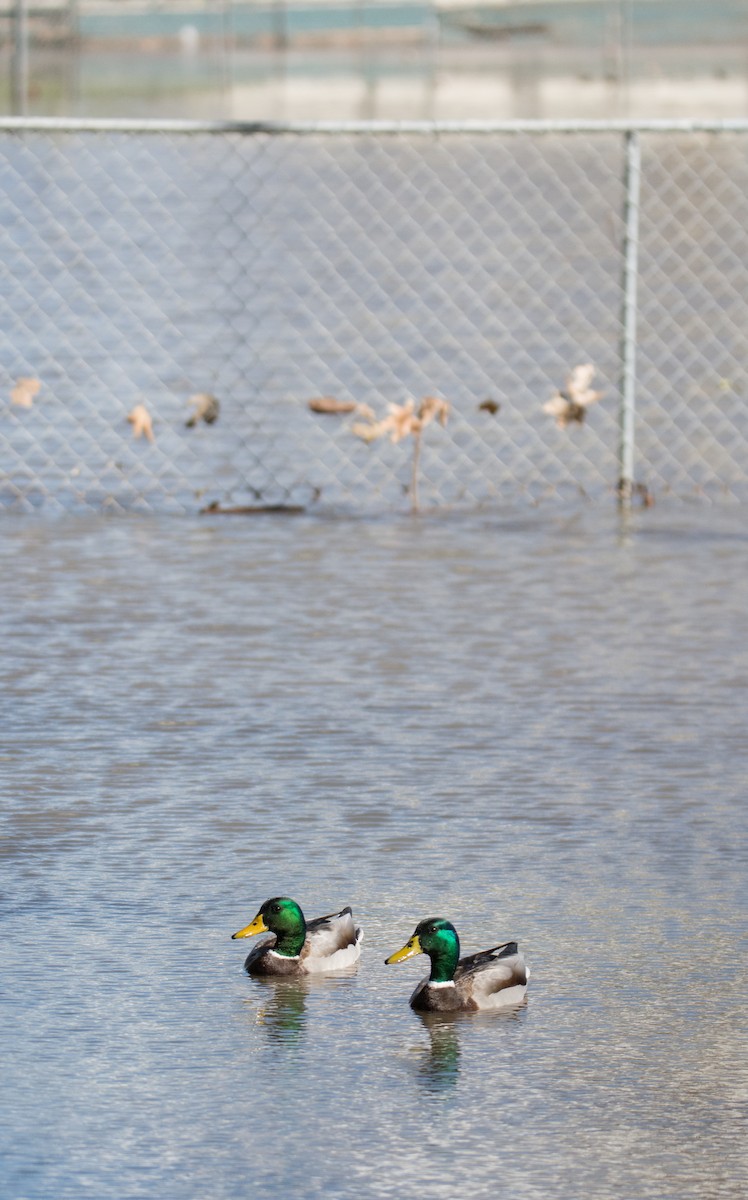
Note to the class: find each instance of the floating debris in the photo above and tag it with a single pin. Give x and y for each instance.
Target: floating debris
(141, 422)
(635, 491)
(570, 404)
(24, 392)
(215, 508)
(206, 408)
(489, 406)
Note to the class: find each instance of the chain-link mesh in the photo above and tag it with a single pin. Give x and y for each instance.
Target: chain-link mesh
(692, 389)
(139, 268)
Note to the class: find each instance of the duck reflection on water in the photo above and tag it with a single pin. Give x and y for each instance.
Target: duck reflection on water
(439, 1062)
(283, 1014)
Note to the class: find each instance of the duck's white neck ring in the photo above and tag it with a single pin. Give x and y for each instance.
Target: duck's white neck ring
(284, 957)
(441, 983)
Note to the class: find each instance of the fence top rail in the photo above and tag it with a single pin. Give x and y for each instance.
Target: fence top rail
(125, 125)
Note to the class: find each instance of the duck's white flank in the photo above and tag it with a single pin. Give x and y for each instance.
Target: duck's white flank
(337, 961)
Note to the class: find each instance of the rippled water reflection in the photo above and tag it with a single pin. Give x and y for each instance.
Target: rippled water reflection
(534, 725)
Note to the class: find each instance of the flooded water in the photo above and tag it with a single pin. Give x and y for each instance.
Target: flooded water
(532, 723)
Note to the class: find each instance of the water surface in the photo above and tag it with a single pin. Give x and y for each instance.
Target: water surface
(532, 722)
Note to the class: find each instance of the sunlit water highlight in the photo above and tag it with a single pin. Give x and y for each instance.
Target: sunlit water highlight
(533, 724)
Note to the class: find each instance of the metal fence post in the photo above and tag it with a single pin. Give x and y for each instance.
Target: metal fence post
(628, 337)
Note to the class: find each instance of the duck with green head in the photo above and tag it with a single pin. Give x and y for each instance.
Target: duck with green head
(490, 979)
(300, 947)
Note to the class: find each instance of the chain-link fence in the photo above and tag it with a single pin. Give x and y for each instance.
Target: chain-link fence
(267, 267)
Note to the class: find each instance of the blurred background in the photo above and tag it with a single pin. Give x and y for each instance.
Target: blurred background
(373, 59)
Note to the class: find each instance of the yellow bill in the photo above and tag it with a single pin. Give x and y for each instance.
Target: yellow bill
(409, 949)
(256, 926)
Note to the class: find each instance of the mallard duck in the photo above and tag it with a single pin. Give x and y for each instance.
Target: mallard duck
(490, 979)
(300, 947)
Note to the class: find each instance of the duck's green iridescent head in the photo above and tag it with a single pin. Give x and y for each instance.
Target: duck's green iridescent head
(437, 938)
(283, 917)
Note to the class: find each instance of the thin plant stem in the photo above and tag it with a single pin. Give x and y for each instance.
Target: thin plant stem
(414, 476)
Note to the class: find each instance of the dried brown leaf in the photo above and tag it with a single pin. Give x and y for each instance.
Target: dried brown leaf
(329, 404)
(141, 422)
(366, 412)
(401, 421)
(24, 392)
(432, 407)
(578, 385)
(570, 404)
(207, 408)
(369, 431)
